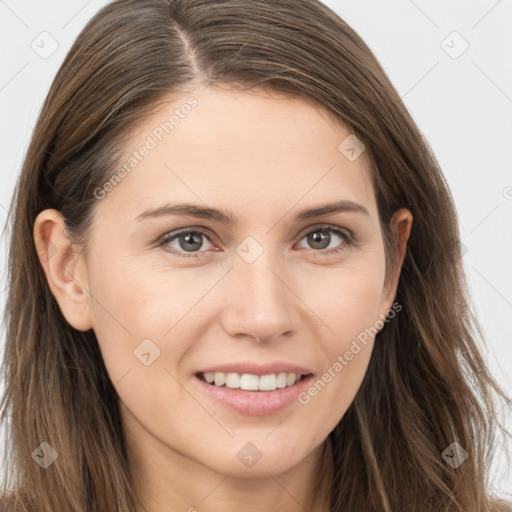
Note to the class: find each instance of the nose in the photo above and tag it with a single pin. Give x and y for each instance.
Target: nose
(259, 303)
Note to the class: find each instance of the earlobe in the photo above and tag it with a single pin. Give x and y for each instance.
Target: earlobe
(63, 268)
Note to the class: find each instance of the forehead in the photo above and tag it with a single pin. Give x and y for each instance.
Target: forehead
(259, 148)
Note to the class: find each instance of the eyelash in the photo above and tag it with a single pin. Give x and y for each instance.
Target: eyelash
(347, 236)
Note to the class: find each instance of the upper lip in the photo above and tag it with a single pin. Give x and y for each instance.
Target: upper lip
(256, 369)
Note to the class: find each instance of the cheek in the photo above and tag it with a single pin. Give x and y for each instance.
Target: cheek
(349, 306)
(349, 300)
(132, 304)
(137, 324)
(126, 310)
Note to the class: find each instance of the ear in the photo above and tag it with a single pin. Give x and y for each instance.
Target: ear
(400, 225)
(64, 268)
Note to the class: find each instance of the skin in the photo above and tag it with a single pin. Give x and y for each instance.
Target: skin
(263, 157)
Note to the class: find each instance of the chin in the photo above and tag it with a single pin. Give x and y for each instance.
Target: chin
(257, 458)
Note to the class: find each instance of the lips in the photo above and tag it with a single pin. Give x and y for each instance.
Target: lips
(252, 389)
(256, 369)
(252, 403)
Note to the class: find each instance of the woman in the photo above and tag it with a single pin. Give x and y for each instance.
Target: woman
(235, 278)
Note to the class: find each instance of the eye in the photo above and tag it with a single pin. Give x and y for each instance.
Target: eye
(186, 241)
(320, 238)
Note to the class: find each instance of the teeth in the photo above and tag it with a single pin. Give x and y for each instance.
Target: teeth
(268, 382)
(250, 382)
(232, 380)
(219, 378)
(290, 379)
(281, 380)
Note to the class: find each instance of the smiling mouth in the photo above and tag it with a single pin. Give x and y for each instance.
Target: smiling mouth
(251, 382)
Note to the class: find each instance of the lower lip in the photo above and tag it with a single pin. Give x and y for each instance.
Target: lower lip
(255, 403)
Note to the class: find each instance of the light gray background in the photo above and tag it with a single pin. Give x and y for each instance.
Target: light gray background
(462, 102)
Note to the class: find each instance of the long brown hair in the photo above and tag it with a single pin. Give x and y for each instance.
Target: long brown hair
(427, 384)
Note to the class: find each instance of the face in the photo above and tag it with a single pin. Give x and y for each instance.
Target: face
(251, 282)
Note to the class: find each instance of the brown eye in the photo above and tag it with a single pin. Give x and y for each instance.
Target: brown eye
(321, 238)
(189, 241)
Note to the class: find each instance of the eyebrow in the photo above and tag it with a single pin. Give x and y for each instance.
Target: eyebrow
(193, 210)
